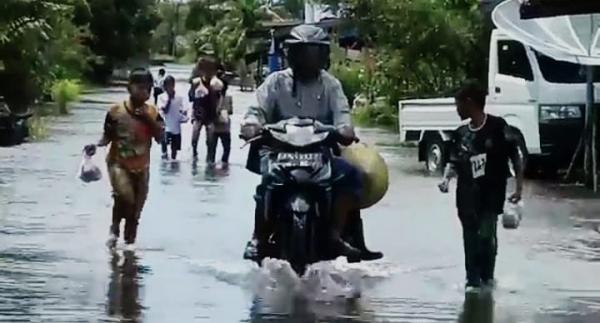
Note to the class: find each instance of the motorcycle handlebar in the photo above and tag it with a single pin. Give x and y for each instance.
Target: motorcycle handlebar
(279, 127)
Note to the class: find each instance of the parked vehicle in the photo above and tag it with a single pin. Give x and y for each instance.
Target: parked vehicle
(13, 127)
(541, 98)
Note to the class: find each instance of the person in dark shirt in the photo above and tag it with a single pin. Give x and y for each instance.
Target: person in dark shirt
(222, 125)
(205, 94)
(479, 154)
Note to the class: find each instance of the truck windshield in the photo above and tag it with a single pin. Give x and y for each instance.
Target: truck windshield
(563, 72)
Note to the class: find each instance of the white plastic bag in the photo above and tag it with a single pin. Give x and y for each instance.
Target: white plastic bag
(88, 171)
(513, 214)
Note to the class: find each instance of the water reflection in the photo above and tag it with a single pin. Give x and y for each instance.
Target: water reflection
(302, 310)
(124, 288)
(170, 167)
(477, 308)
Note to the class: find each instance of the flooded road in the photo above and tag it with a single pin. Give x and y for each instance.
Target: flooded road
(54, 266)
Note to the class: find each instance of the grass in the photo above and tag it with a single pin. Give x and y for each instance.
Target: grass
(378, 114)
(64, 92)
(38, 127)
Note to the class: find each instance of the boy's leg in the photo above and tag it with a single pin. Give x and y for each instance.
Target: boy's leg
(123, 195)
(226, 141)
(175, 145)
(196, 129)
(211, 145)
(140, 183)
(164, 144)
(488, 242)
(471, 240)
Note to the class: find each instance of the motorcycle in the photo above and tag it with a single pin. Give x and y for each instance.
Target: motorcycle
(13, 129)
(297, 168)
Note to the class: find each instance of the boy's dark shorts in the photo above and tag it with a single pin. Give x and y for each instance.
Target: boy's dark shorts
(174, 140)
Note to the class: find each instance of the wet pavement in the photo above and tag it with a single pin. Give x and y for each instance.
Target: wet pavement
(54, 266)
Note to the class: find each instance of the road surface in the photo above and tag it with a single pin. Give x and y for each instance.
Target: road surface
(54, 266)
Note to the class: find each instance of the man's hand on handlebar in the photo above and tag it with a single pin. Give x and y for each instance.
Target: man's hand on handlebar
(250, 130)
(347, 136)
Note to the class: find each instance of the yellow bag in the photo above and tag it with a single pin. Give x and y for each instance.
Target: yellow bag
(376, 181)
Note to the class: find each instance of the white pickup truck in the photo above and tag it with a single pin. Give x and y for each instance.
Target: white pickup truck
(541, 98)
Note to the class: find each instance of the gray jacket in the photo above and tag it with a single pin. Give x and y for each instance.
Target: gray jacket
(323, 100)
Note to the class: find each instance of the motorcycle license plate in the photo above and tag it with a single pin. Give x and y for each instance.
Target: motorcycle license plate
(300, 159)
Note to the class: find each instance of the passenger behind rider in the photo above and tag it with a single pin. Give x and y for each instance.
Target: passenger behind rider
(306, 90)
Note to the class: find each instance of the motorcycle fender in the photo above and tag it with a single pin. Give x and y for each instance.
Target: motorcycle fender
(299, 207)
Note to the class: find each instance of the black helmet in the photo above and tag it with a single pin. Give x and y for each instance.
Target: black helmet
(308, 35)
(303, 38)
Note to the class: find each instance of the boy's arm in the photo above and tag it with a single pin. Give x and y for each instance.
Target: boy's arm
(108, 131)
(450, 170)
(157, 125)
(512, 140)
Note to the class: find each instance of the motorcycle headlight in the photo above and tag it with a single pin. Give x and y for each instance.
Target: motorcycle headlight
(559, 112)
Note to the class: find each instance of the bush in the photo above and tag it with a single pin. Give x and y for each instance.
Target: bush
(379, 113)
(349, 75)
(64, 92)
(38, 127)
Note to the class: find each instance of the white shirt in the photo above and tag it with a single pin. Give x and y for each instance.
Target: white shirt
(159, 81)
(176, 114)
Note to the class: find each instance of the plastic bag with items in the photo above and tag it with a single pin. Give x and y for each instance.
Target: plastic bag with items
(512, 216)
(88, 171)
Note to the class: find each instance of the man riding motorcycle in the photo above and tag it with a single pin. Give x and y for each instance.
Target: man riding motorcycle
(306, 90)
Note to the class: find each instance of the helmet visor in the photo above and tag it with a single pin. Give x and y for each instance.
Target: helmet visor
(308, 52)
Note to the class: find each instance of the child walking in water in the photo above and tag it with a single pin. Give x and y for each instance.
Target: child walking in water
(222, 129)
(173, 112)
(129, 128)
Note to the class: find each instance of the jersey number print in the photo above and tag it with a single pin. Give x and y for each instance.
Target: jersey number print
(478, 165)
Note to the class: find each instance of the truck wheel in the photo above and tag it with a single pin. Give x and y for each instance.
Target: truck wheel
(435, 156)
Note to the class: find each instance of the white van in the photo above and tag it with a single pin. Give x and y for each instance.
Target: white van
(543, 99)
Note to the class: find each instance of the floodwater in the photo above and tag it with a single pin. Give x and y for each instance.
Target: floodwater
(54, 266)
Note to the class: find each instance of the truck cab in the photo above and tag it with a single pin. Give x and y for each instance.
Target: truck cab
(541, 98)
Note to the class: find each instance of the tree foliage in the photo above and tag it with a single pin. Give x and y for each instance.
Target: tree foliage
(223, 26)
(427, 47)
(40, 41)
(120, 30)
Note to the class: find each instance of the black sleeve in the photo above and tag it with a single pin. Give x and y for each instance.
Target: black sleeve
(453, 146)
(109, 125)
(511, 139)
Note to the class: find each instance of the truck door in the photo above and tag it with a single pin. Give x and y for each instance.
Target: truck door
(512, 78)
(513, 88)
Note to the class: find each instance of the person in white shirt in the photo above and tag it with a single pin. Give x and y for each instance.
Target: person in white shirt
(171, 108)
(159, 84)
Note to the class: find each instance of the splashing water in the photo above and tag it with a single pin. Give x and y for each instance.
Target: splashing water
(322, 282)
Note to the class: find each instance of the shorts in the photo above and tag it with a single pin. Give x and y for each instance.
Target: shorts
(174, 140)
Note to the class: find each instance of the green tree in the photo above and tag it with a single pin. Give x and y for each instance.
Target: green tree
(227, 27)
(172, 27)
(121, 30)
(40, 41)
(427, 48)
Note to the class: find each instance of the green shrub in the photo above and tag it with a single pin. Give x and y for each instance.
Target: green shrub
(379, 113)
(38, 127)
(64, 92)
(349, 75)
